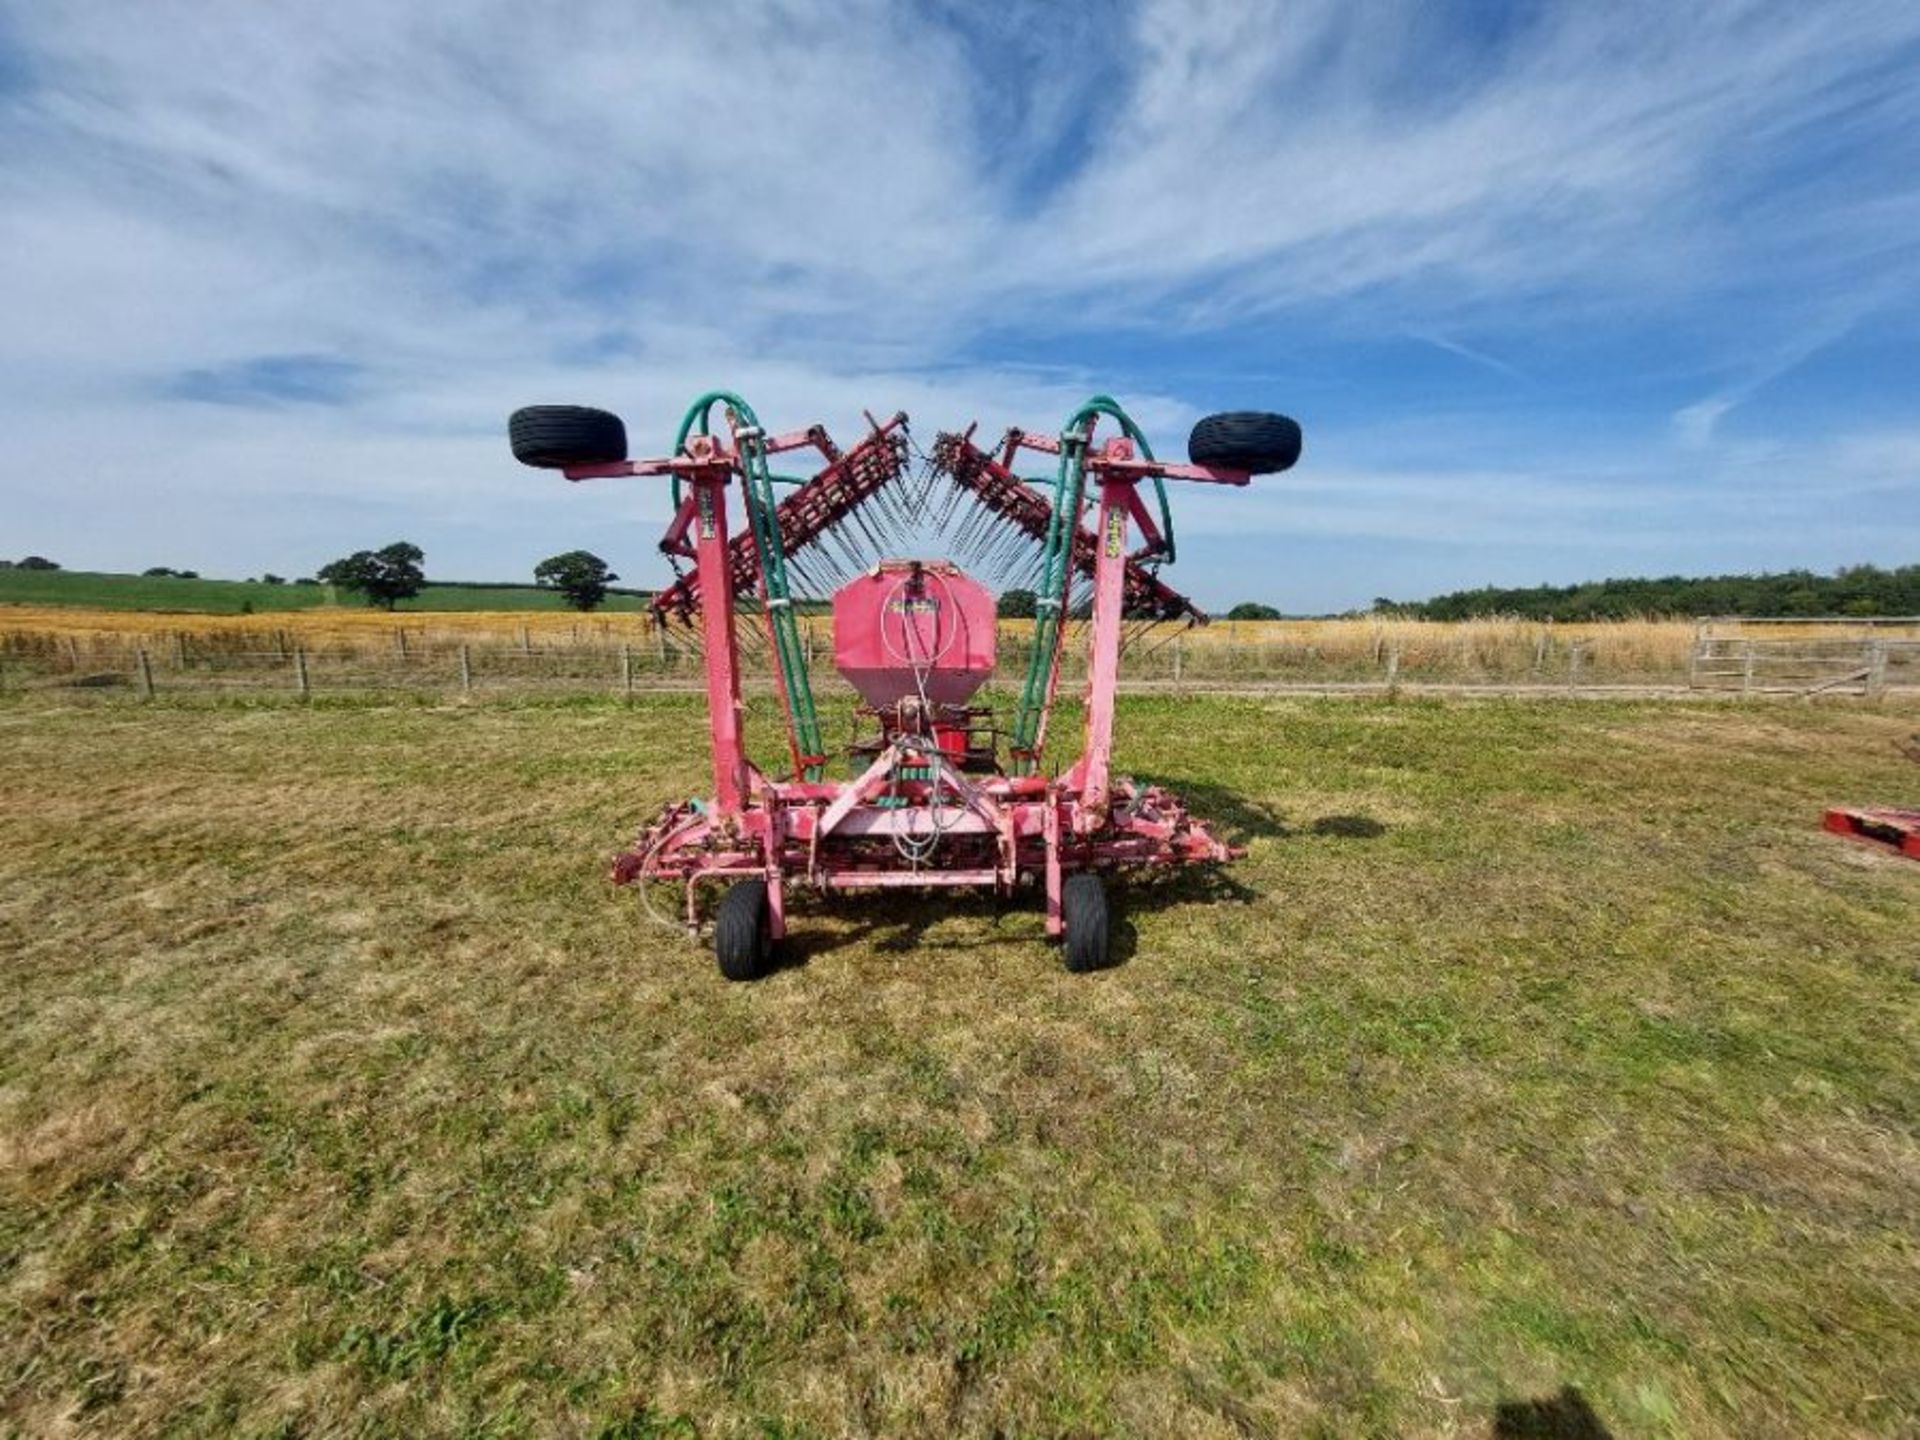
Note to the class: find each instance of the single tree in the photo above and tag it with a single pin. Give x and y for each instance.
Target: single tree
(384, 576)
(272, 579)
(580, 575)
(156, 570)
(1017, 605)
(37, 562)
(1252, 610)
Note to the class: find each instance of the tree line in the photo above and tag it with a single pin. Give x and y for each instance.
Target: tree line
(1854, 591)
(396, 572)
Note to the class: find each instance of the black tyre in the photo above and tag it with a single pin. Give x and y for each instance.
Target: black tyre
(1250, 440)
(554, 437)
(743, 931)
(1083, 906)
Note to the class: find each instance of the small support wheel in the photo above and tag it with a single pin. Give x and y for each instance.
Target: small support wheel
(1083, 908)
(743, 931)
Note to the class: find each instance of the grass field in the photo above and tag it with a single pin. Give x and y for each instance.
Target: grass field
(1542, 1070)
(167, 595)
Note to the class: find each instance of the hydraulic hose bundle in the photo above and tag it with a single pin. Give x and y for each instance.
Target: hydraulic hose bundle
(757, 481)
(1056, 569)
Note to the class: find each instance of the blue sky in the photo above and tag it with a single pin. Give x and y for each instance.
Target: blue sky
(1557, 290)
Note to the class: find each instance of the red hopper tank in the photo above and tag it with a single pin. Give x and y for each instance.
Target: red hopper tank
(909, 628)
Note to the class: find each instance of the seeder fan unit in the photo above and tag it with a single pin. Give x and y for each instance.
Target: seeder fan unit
(934, 791)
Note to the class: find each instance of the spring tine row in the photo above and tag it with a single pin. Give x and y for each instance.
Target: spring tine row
(886, 497)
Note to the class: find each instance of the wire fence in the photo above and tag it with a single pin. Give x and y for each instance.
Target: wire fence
(611, 657)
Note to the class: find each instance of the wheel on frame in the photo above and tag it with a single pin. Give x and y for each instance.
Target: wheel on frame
(1256, 441)
(555, 437)
(1083, 908)
(743, 931)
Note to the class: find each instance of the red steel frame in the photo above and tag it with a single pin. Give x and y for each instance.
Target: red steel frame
(997, 831)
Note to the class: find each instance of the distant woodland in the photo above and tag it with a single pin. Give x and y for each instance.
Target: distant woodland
(1858, 590)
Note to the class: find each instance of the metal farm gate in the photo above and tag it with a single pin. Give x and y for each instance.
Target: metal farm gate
(1786, 656)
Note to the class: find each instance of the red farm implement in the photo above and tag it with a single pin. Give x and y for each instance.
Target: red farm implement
(1896, 830)
(933, 792)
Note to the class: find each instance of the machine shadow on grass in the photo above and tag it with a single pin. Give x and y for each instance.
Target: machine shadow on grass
(1239, 820)
(898, 923)
(1566, 1416)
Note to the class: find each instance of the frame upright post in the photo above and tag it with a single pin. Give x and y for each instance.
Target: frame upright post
(723, 660)
(1117, 500)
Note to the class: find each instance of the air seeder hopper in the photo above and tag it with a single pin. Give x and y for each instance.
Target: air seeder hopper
(934, 790)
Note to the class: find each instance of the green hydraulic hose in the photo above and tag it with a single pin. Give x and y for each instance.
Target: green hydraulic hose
(757, 485)
(1057, 563)
(1109, 406)
(1063, 518)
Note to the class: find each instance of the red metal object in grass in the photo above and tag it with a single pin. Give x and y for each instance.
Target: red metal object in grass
(1895, 830)
(928, 802)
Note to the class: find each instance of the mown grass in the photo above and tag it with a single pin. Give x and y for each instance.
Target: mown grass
(1540, 1063)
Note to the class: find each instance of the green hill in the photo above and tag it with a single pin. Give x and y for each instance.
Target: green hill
(232, 597)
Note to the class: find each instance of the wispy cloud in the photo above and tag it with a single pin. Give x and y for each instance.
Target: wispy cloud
(1695, 424)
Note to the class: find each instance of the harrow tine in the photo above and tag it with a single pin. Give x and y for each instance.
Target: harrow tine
(1175, 629)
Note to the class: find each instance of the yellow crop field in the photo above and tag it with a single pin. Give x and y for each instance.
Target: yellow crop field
(1494, 645)
(485, 650)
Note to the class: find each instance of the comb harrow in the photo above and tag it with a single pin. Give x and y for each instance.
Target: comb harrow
(936, 796)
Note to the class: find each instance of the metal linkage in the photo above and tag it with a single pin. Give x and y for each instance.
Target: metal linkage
(998, 489)
(1068, 551)
(809, 515)
(757, 559)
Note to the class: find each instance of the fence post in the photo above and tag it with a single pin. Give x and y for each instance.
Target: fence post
(1575, 654)
(1540, 650)
(1876, 668)
(1393, 667)
(466, 669)
(146, 675)
(400, 641)
(1693, 660)
(1179, 646)
(73, 656)
(526, 641)
(626, 670)
(1746, 671)
(300, 671)
(660, 641)
(179, 650)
